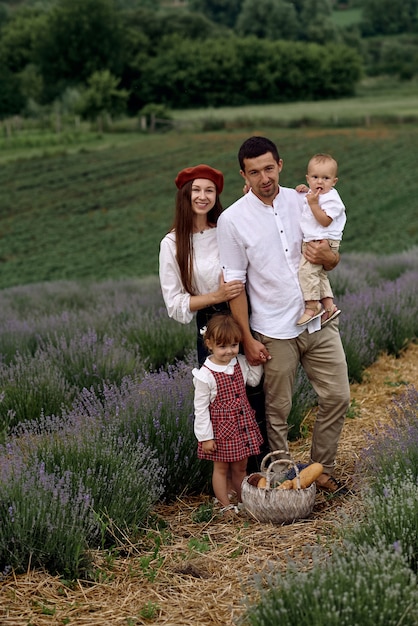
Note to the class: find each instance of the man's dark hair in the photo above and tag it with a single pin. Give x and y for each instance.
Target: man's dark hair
(255, 147)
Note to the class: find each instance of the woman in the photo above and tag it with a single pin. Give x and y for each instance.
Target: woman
(190, 273)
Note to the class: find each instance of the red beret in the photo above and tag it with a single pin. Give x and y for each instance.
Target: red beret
(200, 171)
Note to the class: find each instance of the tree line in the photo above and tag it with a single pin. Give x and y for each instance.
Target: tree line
(117, 56)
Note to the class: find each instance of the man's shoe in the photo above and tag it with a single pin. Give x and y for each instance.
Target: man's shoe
(330, 484)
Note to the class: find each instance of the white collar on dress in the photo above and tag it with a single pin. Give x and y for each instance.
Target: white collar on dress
(219, 368)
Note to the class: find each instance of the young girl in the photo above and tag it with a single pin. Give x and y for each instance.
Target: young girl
(225, 424)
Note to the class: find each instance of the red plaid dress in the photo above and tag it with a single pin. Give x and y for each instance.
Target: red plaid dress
(235, 429)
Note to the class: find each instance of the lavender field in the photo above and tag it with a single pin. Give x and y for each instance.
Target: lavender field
(96, 403)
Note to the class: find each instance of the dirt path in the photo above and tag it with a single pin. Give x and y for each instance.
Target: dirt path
(200, 573)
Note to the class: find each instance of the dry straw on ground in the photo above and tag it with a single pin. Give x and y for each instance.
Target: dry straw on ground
(205, 588)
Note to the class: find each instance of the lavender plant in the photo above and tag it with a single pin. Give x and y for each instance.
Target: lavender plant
(160, 341)
(158, 411)
(122, 476)
(390, 516)
(47, 519)
(31, 387)
(115, 479)
(395, 443)
(359, 271)
(378, 319)
(87, 359)
(371, 586)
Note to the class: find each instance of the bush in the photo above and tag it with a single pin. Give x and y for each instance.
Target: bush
(157, 411)
(47, 520)
(356, 585)
(68, 489)
(390, 515)
(394, 444)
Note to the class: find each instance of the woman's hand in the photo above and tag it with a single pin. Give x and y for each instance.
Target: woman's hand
(246, 187)
(229, 291)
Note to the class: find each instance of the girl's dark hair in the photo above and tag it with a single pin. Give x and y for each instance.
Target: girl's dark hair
(183, 227)
(223, 329)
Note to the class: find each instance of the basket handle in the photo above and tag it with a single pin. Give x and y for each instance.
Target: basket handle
(269, 455)
(269, 470)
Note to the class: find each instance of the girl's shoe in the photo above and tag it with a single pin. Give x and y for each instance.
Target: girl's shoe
(229, 511)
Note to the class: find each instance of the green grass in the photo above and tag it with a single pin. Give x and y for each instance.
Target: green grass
(376, 97)
(98, 208)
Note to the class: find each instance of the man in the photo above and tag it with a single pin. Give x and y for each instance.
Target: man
(260, 242)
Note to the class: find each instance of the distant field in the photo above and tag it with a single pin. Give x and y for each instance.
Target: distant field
(100, 213)
(375, 99)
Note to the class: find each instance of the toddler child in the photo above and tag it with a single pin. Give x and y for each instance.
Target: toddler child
(323, 217)
(225, 424)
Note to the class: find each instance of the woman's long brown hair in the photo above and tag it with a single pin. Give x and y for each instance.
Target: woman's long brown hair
(183, 227)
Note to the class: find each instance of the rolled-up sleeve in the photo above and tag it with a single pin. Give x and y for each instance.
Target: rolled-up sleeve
(176, 299)
(231, 251)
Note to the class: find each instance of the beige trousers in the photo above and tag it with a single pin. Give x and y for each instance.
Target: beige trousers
(322, 357)
(313, 279)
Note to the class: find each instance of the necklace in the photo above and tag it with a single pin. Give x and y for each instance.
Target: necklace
(201, 231)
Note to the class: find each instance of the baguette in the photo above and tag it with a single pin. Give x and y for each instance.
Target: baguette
(287, 484)
(308, 475)
(262, 483)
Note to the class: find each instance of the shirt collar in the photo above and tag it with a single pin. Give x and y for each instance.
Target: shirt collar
(255, 200)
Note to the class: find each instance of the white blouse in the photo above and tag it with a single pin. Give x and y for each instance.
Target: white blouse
(206, 272)
(206, 390)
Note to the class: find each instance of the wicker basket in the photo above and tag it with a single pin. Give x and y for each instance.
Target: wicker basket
(278, 506)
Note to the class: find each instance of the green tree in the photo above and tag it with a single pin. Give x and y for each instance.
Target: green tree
(102, 97)
(156, 25)
(11, 99)
(80, 37)
(187, 73)
(241, 70)
(18, 38)
(31, 83)
(386, 17)
(220, 11)
(316, 21)
(268, 19)
(4, 14)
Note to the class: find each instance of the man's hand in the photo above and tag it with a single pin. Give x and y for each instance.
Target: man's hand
(256, 352)
(320, 253)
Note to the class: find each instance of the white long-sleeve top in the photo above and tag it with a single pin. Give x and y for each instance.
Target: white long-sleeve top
(333, 206)
(206, 272)
(261, 245)
(206, 390)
